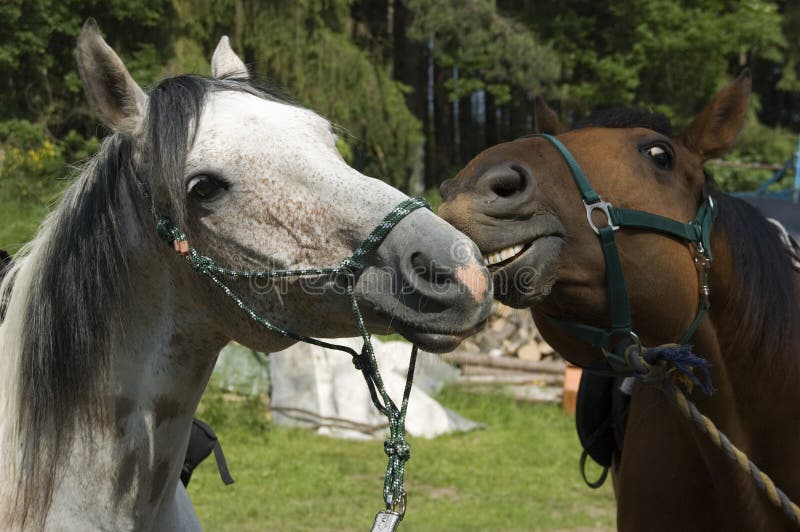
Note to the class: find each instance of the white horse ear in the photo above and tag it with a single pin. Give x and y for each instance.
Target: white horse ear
(225, 63)
(112, 93)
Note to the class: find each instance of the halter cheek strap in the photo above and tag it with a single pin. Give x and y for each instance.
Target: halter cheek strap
(615, 340)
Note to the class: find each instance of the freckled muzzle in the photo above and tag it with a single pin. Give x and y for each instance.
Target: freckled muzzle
(429, 280)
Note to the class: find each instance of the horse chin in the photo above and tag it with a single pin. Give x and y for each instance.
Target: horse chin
(390, 306)
(528, 279)
(435, 342)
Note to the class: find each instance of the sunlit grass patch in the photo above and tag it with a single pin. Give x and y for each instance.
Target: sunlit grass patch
(520, 473)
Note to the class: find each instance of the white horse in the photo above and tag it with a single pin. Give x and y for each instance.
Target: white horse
(110, 337)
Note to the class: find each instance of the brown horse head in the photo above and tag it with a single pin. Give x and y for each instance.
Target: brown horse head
(518, 201)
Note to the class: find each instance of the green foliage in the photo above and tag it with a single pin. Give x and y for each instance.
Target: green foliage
(31, 163)
(246, 414)
(37, 66)
(33, 173)
(491, 51)
(336, 56)
(660, 54)
(306, 48)
(756, 144)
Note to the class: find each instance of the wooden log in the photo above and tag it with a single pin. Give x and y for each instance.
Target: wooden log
(537, 379)
(460, 357)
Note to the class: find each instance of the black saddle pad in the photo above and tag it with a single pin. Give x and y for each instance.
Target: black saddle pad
(202, 442)
(600, 416)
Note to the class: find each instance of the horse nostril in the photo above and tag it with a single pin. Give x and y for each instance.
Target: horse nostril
(507, 183)
(426, 269)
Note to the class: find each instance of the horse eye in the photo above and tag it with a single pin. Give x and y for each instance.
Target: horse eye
(660, 154)
(205, 187)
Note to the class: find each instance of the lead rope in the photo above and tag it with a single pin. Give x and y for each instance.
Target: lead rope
(396, 447)
(655, 370)
(761, 479)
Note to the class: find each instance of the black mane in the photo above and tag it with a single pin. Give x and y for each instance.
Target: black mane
(81, 277)
(621, 117)
(764, 287)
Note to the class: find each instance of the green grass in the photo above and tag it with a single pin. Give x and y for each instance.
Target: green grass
(19, 220)
(519, 474)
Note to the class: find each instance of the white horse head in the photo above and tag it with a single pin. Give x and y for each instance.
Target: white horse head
(110, 337)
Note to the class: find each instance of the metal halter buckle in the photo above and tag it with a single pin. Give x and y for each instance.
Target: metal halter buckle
(623, 349)
(601, 206)
(703, 265)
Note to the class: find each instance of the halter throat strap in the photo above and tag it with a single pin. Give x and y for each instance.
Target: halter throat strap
(615, 339)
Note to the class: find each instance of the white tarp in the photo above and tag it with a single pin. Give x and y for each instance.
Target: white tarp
(320, 388)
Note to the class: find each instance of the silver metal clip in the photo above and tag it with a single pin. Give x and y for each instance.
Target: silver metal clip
(703, 265)
(386, 521)
(389, 519)
(599, 206)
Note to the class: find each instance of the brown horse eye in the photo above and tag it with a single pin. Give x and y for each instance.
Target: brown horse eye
(660, 154)
(204, 187)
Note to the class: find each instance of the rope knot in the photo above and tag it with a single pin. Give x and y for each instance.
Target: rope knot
(678, 363)
(397, 448)
(351, 264)
(201, 263)
(165, 230)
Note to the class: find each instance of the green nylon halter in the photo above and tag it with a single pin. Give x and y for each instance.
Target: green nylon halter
(396, 447)
(615, 339)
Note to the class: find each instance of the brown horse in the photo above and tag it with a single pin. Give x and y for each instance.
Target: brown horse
(519, 202)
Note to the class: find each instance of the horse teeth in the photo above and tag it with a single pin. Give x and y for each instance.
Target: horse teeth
(504, 254)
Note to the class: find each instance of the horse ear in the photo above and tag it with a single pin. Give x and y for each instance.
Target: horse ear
(112, 93)
(545, 120)
(714, 130)
(225, 63)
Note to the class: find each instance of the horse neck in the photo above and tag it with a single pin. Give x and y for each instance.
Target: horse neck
(697, 484)
(123, 472)
(738, 344)
(162, 354)
(756, 383)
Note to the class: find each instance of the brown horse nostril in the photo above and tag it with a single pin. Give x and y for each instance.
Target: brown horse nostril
(507, 181)
(507, 185)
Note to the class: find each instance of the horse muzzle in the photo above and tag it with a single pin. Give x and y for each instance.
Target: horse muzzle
(428, 282)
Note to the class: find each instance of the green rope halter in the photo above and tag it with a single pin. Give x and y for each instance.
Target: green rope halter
(396, 447)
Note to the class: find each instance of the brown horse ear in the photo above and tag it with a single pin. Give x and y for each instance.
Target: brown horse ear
(714, 130)
(545, 119)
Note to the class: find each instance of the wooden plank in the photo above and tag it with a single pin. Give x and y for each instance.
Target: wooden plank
(474, 359)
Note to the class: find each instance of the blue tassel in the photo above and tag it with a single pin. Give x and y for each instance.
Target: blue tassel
(684, 360)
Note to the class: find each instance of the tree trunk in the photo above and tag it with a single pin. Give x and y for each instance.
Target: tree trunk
(467, 127)
(518, 114)
(410, 66)
(443, 129)
(491, 120)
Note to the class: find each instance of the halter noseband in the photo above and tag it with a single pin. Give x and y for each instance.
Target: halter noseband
(615, 340)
